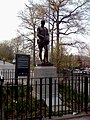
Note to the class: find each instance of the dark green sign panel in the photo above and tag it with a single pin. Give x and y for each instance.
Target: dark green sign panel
(22, 64)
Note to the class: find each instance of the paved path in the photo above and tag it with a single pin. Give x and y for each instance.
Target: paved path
(81, 118)
(78, 118)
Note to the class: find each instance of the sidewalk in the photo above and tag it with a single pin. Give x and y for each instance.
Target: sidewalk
(81, 116)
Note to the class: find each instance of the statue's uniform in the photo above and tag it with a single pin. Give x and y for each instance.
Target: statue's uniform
(43, 37)
(43, 41)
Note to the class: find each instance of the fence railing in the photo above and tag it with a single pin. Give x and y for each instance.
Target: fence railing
(44, 97)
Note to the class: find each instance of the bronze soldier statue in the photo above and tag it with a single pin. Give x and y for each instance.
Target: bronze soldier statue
(43, 41)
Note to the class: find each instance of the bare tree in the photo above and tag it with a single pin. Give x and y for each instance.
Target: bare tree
(66, 17)
(6, 51)
(30, 18)
(17, 44)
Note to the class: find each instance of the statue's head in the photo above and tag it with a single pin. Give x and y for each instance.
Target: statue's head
(42, 21)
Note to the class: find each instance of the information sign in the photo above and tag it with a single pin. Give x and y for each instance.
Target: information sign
(22, 64)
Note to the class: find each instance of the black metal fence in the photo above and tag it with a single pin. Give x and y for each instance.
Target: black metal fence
(43, 97)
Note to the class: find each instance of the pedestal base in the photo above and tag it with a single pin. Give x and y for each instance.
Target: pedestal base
(45, 74)
(45, 71)
(45, 64)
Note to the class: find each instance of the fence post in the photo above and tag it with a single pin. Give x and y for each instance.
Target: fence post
(0, 99)
(50, 98)
(1, 102)
(86, 93)
(41, 98)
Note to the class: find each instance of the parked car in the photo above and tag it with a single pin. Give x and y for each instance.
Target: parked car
(86, 71)
(77, 71)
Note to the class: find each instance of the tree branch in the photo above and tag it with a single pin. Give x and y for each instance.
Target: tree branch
(28, 39)
(66, 16)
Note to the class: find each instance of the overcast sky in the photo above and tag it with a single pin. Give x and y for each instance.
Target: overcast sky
(8, 18)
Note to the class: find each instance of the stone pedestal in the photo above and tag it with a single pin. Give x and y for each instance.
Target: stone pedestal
(43, 73)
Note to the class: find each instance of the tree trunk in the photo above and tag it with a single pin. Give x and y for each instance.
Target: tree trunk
(57, 40)
(34, 48)
(52, 45)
